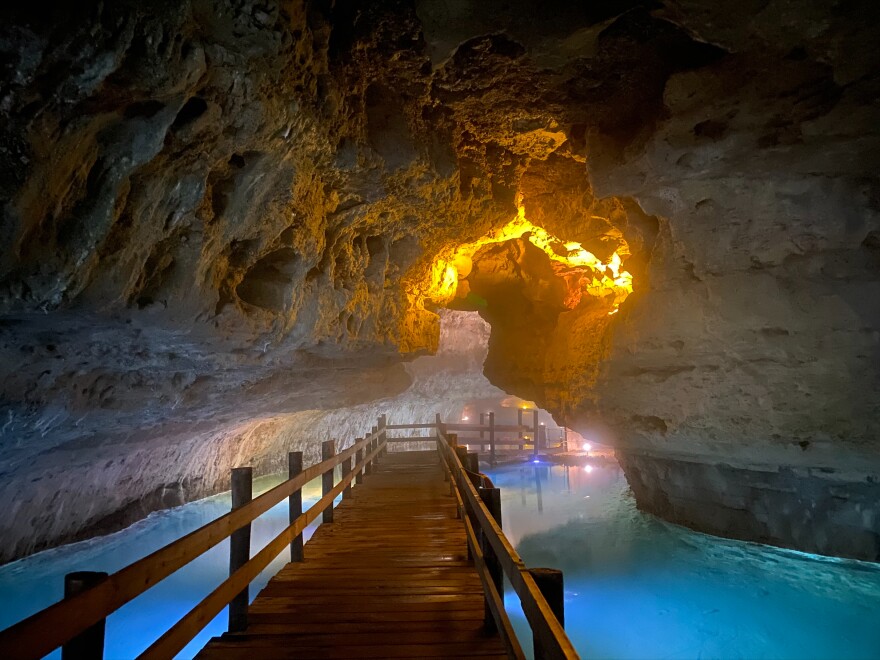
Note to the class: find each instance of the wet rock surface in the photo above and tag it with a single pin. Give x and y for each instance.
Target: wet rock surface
(219, 218)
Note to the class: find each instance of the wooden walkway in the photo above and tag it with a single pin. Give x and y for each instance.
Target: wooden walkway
(389, 578)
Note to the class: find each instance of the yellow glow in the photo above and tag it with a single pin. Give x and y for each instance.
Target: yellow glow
(596, 278)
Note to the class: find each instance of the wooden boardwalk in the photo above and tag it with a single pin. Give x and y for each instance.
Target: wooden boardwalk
(389, 578)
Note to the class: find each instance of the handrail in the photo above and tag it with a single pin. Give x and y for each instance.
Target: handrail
(499, 428)
(46, 630)
(496, 600)
(180, 634)
(548, 632)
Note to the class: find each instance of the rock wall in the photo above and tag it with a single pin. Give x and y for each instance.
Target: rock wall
(220, 214)
(748, 366)
(208, 210)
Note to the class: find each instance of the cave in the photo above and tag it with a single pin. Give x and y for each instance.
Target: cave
(234, 230)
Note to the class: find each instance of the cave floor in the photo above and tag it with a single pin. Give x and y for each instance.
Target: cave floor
(388, 578)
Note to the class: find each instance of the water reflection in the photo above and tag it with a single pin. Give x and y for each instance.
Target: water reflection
(29, 585)
(639, 588)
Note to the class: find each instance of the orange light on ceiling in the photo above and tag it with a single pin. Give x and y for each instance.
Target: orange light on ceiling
(597, 278)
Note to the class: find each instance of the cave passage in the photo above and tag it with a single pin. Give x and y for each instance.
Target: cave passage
(235, 230)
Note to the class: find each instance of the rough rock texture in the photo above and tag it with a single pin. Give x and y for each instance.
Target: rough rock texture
(744, 376)
(218, 214)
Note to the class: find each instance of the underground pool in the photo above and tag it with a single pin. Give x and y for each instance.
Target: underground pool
(635, 587)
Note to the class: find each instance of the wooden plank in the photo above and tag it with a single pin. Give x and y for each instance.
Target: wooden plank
(506, 428)
(228, 649)
(412, 438)
(384, 638)
(305, 616)
(286, 626)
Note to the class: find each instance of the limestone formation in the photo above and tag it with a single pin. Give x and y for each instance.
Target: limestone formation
(223, 222)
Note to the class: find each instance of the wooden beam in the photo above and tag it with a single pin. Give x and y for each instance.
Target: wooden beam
(240, 546)
(500, 428)
(89, 644)
(414, 438)
(359, 456)
(295, 503)
(492, 439)
(328, 450)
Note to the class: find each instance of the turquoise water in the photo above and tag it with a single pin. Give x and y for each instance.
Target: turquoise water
(636, 587)
(30, 584)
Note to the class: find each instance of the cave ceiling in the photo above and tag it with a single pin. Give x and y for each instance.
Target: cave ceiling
(217, 210)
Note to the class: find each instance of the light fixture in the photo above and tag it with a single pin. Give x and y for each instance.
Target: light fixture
(465, 418)
(588, 468)
(587, 446)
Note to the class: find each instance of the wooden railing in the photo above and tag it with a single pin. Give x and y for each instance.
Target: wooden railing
(495, 557)
(488, 434)
(540, 590)
(72, 621)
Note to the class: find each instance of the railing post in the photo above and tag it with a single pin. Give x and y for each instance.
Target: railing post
(462, 454)
(441, 427)
(519, 422)
(383, 434)
(368, 468)
(550, 583)
(295, 503)
(482, 433)
(452, 442)
(346, 471)
(240, 545)
(358, 457)
(535, 432)
(328, 451)
(89, 644)
(492, 499)
(491, 439)
(472, 461)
